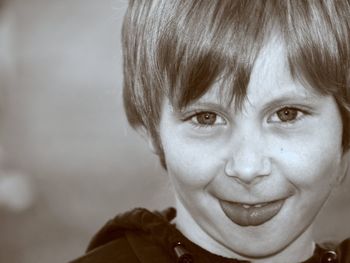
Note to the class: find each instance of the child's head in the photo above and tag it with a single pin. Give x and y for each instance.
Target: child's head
(247, 103)
(178, 49)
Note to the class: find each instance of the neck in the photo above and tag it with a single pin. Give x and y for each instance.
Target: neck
(303, 246)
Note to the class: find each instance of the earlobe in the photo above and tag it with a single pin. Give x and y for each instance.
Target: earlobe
(344, 167)
(151, 145)
(147, 137)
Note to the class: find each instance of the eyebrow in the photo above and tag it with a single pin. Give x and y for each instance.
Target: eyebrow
(218, 105)
(310, 98)
(292, 98)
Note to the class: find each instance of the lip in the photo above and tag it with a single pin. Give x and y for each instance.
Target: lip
(251, 214)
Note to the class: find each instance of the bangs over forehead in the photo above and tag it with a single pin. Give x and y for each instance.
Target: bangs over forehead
(220, 40)
(211, 43)
(178, 49)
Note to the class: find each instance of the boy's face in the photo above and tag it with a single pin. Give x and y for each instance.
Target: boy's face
(250, 182)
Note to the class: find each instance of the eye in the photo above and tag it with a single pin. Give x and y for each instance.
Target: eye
(206, 118)
(287, 115)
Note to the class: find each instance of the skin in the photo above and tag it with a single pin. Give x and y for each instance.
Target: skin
(285, 143)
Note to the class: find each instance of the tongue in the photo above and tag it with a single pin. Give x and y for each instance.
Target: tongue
(252, 216)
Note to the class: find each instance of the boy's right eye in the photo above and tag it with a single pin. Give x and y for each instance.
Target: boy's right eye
(206, 118)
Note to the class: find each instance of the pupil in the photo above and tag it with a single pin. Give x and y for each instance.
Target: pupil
(206, 118)
(287, 114)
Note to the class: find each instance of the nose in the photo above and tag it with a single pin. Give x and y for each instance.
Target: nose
(248, 162)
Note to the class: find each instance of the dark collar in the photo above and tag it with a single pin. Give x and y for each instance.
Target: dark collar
(158, 226)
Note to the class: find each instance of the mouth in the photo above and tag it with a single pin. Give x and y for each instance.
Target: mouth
(251, 214)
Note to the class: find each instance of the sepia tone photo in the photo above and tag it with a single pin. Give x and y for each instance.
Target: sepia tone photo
(175, 131)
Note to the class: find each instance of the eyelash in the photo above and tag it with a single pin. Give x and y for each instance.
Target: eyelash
(300, 114)
(196, 124)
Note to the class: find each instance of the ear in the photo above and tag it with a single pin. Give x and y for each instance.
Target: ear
(147, 137)
(344, 167)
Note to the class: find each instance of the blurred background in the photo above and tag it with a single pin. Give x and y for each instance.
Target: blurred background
(68, 159)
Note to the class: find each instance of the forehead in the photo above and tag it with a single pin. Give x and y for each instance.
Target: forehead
(270, 79)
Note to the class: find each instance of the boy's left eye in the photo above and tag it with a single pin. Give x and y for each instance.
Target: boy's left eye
(287, 114)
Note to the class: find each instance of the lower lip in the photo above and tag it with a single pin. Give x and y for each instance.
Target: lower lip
(252, 216)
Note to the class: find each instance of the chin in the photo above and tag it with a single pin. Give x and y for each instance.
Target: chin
(259, 251)
(258, 245)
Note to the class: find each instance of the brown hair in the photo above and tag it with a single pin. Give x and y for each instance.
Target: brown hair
(178, 49)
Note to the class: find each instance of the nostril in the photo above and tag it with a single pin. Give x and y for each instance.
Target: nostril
(248, 171)
(248, 182)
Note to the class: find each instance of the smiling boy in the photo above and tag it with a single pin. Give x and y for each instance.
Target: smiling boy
(247, 105)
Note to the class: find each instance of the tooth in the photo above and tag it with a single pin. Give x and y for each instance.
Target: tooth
(246, 206)
(258, 205)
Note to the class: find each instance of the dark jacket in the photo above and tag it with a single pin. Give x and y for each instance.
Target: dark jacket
(140, 236)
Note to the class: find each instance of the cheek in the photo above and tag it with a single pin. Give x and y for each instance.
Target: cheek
(312, 161)
(192, 164)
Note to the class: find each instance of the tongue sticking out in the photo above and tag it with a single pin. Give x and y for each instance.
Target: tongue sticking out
(244, 215)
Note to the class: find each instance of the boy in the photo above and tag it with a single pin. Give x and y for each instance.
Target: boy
(247, 105)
